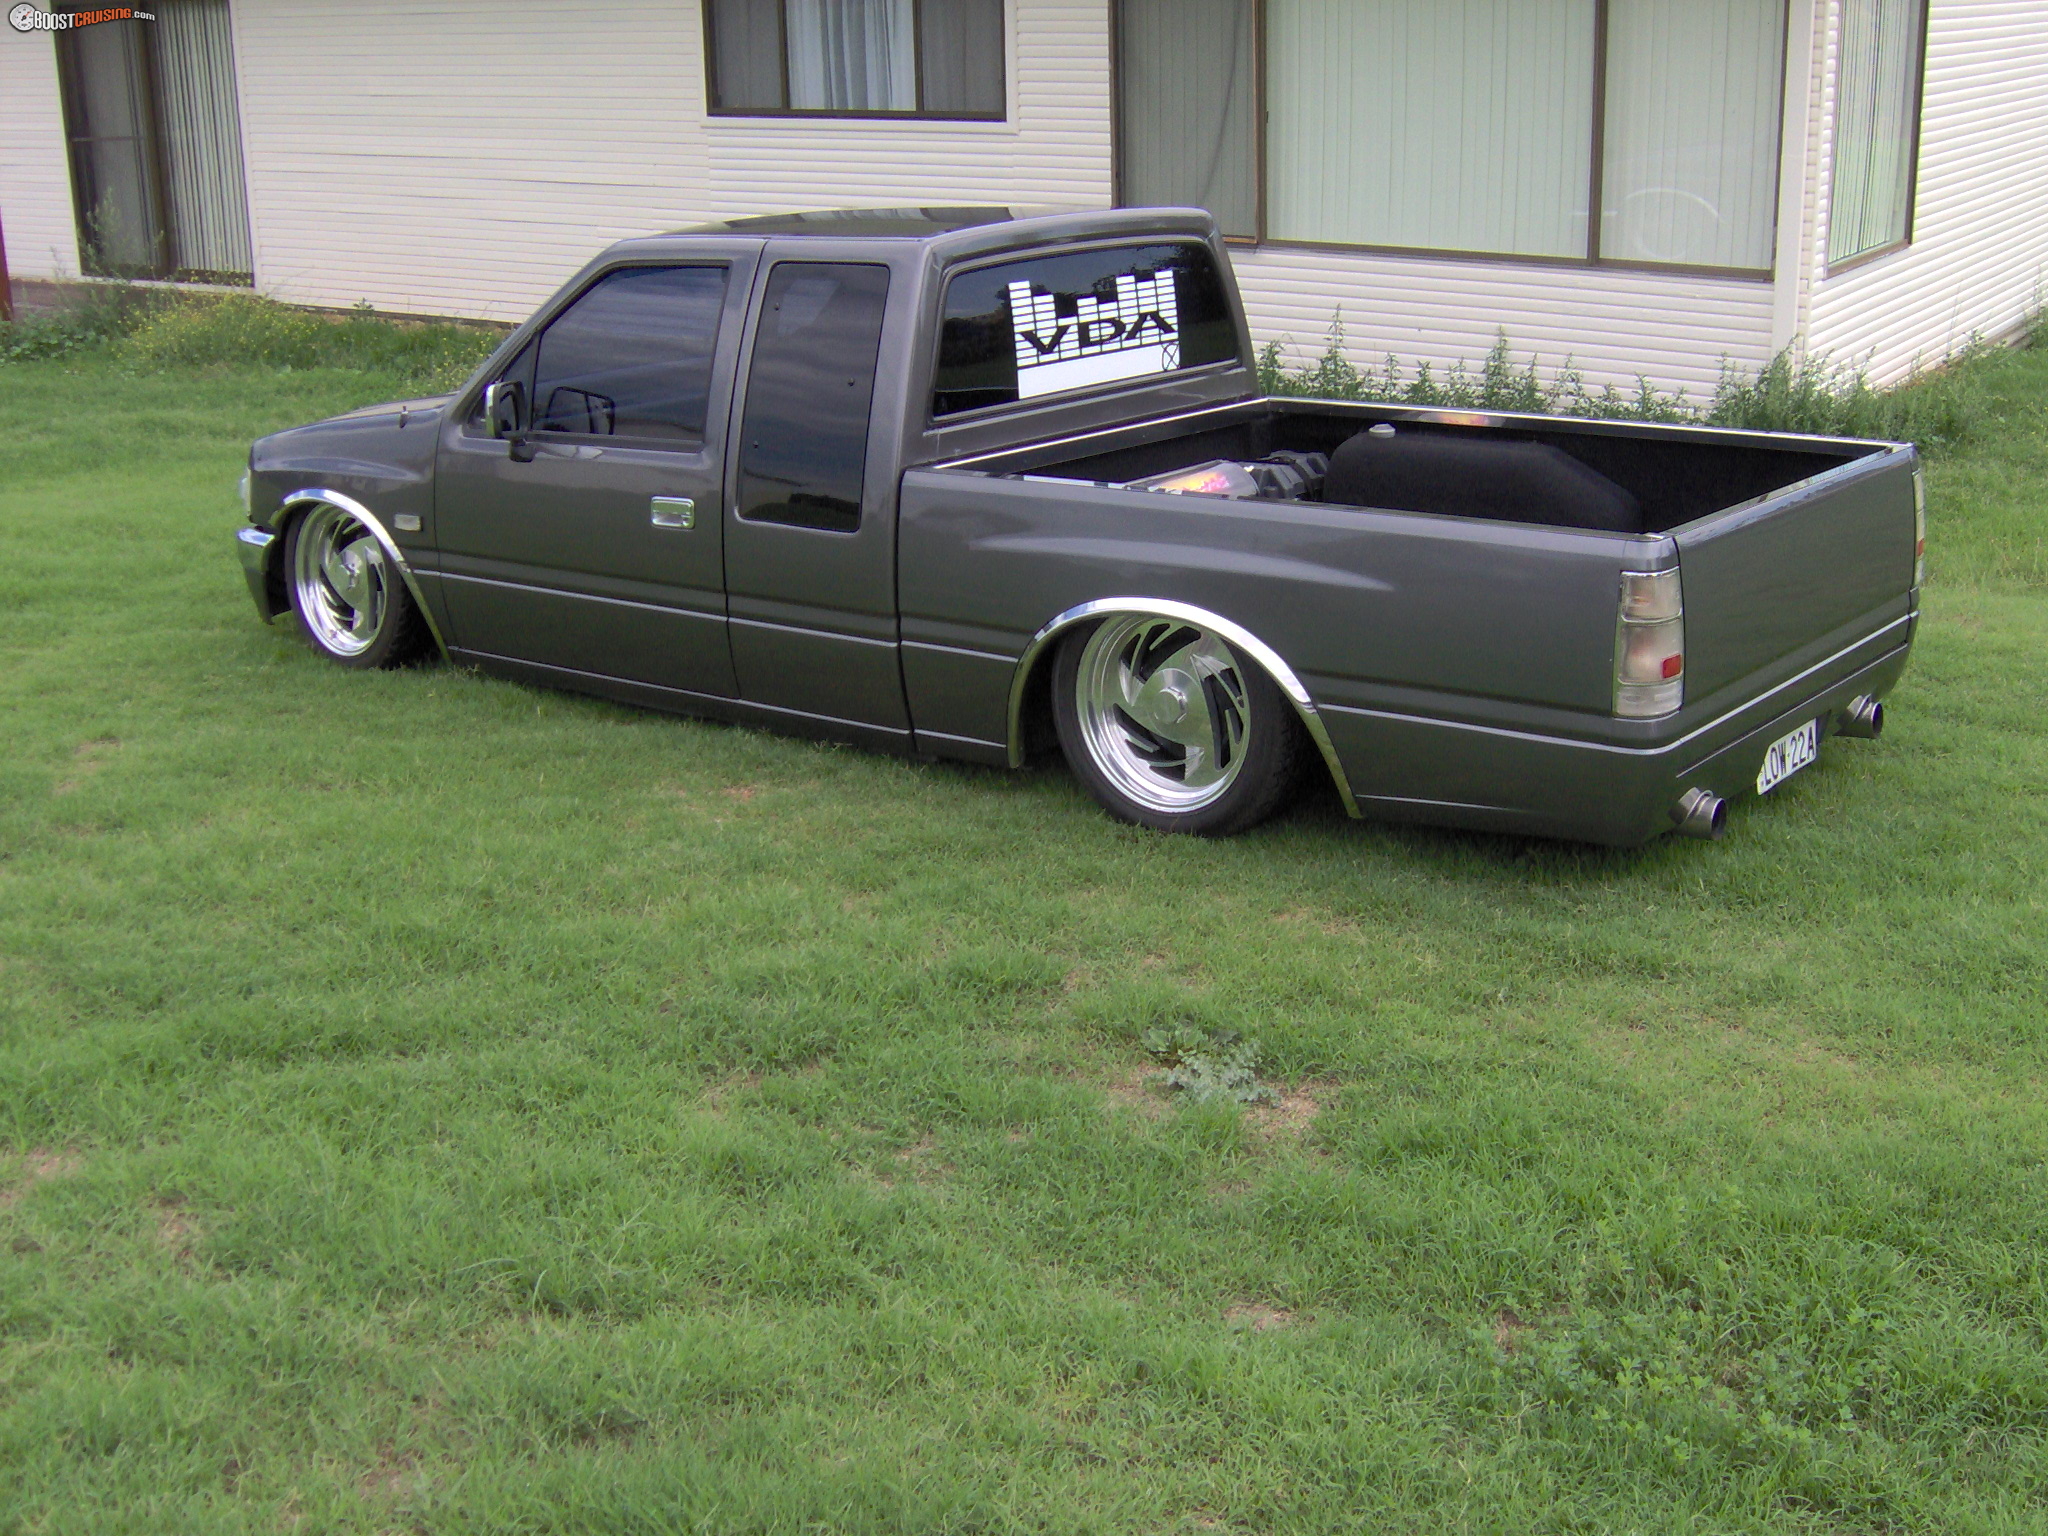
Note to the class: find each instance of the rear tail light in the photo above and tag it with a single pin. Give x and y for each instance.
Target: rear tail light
(1919, 526)
(1649, 645)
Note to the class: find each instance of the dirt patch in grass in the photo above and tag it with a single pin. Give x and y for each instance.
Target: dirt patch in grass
(39, 1166)
(1137, 1089)
(86, 760)
(177, 1229)
(1258, 1316)
(394, 1475)
(916, 1163)
(714, 1099)
(1294, 1116)
(1508, 1330)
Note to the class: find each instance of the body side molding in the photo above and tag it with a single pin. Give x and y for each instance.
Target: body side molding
(1236, 635)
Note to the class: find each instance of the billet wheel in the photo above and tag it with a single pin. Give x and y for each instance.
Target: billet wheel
(348, 594)
(1169, 728)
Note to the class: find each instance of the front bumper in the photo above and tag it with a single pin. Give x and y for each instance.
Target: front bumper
(259, 549)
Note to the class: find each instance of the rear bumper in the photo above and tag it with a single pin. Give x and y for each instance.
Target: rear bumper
(1409, 769)
(258, 549)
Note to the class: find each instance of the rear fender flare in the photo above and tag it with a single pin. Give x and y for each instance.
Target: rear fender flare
(1240, 639)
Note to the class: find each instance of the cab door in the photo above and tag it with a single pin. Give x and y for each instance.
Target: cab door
(810, 534)
(596, 546)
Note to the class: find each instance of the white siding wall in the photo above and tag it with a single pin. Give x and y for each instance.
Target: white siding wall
(1611, 325)
(465, 156)
(35, 175)
(1979, 258)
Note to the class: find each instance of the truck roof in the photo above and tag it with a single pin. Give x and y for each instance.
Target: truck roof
(953, 231)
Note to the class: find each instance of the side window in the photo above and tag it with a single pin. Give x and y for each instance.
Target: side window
(1053, 324)
(631, 358)
(804, 438)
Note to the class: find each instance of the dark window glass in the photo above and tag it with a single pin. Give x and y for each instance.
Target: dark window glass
(632, 357)
(939, 58)
(1059, 323)
(804, 439)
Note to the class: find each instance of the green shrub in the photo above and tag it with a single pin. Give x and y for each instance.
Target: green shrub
(109, 311)
(1807, 394)
(1499, 385)
(241, 329)
(1787, 394)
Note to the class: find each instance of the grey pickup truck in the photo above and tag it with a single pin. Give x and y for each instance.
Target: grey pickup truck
(969, 484)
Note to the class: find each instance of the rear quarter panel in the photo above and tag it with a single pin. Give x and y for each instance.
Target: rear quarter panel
(1459, 618)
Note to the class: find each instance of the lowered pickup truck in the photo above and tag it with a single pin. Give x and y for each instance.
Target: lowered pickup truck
(966, 484)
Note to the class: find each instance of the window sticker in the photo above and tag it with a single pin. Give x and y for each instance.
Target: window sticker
(1136, 334)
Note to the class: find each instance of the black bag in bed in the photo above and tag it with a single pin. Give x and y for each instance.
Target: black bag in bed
(1418, 470)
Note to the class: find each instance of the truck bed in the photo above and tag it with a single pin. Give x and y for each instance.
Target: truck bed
(1674, 479)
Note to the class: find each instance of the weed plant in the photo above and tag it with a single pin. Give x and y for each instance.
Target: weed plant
(1790, 393)
(243, 331)
(156, 329)
(107, 313)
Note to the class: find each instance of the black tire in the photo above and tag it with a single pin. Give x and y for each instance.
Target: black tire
(348, 596)
(1115, 688)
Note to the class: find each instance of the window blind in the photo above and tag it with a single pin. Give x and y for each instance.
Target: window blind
(1456, 125)
(1876, 97)
(1690, 161)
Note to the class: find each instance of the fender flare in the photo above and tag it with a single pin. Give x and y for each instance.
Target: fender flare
(295, 503)
(1233, 634)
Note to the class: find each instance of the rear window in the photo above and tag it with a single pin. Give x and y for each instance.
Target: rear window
(1053, 324)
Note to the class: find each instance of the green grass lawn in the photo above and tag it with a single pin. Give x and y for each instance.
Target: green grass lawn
(430, 1104)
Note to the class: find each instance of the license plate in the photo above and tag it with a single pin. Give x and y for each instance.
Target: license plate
(1788, 754)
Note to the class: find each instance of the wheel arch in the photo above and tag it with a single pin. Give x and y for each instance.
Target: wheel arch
(294, 505)
(1029, 682)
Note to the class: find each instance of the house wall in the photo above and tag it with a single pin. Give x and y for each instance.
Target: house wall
(453, 158)
(466, 156)
(1979, 258)
(456, 157)
(35, 174)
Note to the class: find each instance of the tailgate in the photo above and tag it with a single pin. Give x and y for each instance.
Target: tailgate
(1779, 584)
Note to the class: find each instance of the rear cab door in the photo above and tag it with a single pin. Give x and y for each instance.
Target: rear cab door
(810, 493)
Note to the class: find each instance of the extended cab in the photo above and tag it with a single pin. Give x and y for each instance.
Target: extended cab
(958, 483)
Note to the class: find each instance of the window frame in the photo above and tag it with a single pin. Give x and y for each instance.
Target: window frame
(525, 363)
(1593, 260)
(1861, 258)
(871, 114)
(743, 384)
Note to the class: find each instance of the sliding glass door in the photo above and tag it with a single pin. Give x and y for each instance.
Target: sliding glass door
(156, 145)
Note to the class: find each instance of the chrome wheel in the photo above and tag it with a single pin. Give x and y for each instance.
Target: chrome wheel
(342, 581)
(1164, 711)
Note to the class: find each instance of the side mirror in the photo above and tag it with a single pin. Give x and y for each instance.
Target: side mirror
(505, 409)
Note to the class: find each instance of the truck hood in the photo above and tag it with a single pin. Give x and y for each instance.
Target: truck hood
(377, 453)
(413, 407)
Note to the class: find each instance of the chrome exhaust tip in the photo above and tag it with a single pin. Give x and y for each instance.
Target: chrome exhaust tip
(1700, 813)
(1861, 717)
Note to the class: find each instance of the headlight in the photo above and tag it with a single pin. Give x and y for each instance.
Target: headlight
(248, 506)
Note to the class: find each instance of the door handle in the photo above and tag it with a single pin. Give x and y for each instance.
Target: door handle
(672, 512)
